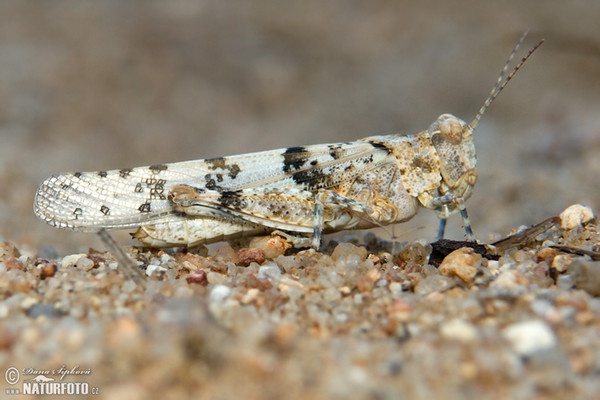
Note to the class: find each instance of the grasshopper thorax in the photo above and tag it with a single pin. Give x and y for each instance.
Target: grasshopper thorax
(452, 139)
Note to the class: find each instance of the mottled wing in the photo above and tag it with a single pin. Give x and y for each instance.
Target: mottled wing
(126, 198)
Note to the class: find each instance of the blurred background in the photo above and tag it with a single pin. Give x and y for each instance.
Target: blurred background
(111, 83)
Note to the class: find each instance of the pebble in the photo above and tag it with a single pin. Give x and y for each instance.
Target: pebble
(271, 246)
(269, 271)
(460, 330)
(215, 277)
(586, 276)
(84, 263)
(434, 283)
(575, 215)
(71, 260)
(561, 262)
(154, 269)
(530, 337)
(219, 293)
(462, 263)
(510, 279)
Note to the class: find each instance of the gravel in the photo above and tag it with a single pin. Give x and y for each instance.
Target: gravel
(352, 322)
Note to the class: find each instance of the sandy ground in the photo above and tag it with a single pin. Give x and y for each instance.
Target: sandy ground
(103, 85)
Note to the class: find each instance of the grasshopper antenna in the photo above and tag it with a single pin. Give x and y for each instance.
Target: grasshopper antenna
(502, 82)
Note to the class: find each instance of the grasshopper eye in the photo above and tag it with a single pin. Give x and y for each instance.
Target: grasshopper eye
(451, 128)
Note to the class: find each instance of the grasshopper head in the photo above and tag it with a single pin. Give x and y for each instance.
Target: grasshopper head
(453, 141)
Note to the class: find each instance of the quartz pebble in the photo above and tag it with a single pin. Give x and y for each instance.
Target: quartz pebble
(529, 337)
(575, 215)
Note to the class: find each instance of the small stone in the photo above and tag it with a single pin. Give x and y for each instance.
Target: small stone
(546, 254)
(154, 269)
(246, 256)
(191, 261)
(272, 246)
(226, 253)
(215, 277)
(8, 249)
(219, 293)
(48, 270)
(561, 262)
(198, 277)
(459, 330)
(530, 337)
(434, 283)
(415, 253)
(13, 264)
(463, 263)
(71, 260)
(47, 310)
(347, 251)
(269, 271)
(250, 296)
(575, 215)
(84, 263)
(510, 279)
(29, 302)
(586, 276)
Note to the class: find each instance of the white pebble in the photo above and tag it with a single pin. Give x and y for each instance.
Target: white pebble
(459, 330)
(153, 269)
(269, 271)
(70, 260)
(529, 337)
(575, 215)
(220, 293)
(28, 302)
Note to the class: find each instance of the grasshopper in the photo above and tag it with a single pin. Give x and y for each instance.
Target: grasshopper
(299, 192)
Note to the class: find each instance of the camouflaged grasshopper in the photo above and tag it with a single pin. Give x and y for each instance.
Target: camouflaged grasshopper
(300, 192)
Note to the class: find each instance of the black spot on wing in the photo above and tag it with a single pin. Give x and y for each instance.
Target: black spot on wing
(144, 208)
(102, 174)
(380, 146)
(312, 179)
(124, 173)
(232, 199)
(221, 163)
(157, 168)
(335, 151)
(294, 158)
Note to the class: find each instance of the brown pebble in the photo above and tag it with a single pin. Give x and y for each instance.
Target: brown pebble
(247, 256)
(198, 277)
(194, 260)
(561, 262)
(252, 281)
(48, 270)
(8, 249)
(272, 246)
(462, 263)
(13, 264)
(545, 254)
(413, 253)
(7, 337)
